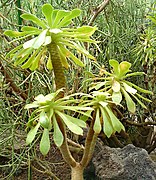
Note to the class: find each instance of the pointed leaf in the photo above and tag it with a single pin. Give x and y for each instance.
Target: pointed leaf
(129, 88)
(97, 123)
(73, 127)
(107, 126)
(130, 104)
(57, 135)
(148, 100)
(142, 104)
(59, 16)
(33, 18)
(29, 43)
(117, 125)
(74, 13)
(87, 30)
(28, 63)
(139, 88)
(45, 142)
(76, 121)
(40, 39)
(32, 133)
(15, 33)
(30, 28)
(49, 63)
(67, 53)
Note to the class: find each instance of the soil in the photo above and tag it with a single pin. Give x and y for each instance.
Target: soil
(55, 163)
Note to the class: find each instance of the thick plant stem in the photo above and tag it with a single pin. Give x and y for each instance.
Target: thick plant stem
(60, 80)
(77, 172)
(64, 147)
(89, 144)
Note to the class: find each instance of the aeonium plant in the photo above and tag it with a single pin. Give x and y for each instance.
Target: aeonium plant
(105, 119)
(116, 84)
(48, 109)
(51, 41)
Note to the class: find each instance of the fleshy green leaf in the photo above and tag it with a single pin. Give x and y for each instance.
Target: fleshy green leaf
(116, 86)
(148, 100)
(73, 127)
(130, 104)
(44, 121)
(47, 10)
(49, 63)
(76, 121)
(139, 88)
(117, 97)
(87, 30)
(32, 133)
(74, 13)
(107, 126)
(45, 142)
(30, 28)
(67, 53)
(97, 123)
(142, 104)
(57, 135)
(40, 40)
(59, 16)
(129, 88)
(33, 18)
(115, 65)
(15, 33)
(117, 125)
(30, 60)
(124, 68)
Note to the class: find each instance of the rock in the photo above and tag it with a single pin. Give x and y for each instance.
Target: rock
(128, 163)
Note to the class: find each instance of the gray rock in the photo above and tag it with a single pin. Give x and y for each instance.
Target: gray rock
(128, 163)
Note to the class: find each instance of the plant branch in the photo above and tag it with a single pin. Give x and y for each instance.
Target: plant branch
(97, 11)
(140, 124)
(11, 82)
(64, 147)
(89, 143)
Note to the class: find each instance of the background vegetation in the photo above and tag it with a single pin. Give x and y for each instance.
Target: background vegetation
(125, 33)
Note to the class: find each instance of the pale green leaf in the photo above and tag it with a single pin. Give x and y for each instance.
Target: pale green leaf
(45, 142)
(49, 63)
(97, 123)
(74, 13)
(116, 86)
(30, 28)
(73, 127)
(68, 54)
(142, 104)
(28, 63)
(31, 134)
(130, 104)
(117, 125)
(117, 97)
(44, 120)
(15, 33)
(47, 10)
(33, 18)
(29, 43)
(59, 16)
(124, 68)
(148, 100)
(57, 135)
(129, 88)
(139, 88)
(87, 30)
(40, 39)
(115, 65)
(107, 126)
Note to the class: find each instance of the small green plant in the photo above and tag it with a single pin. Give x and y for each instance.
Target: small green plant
(116, 84)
